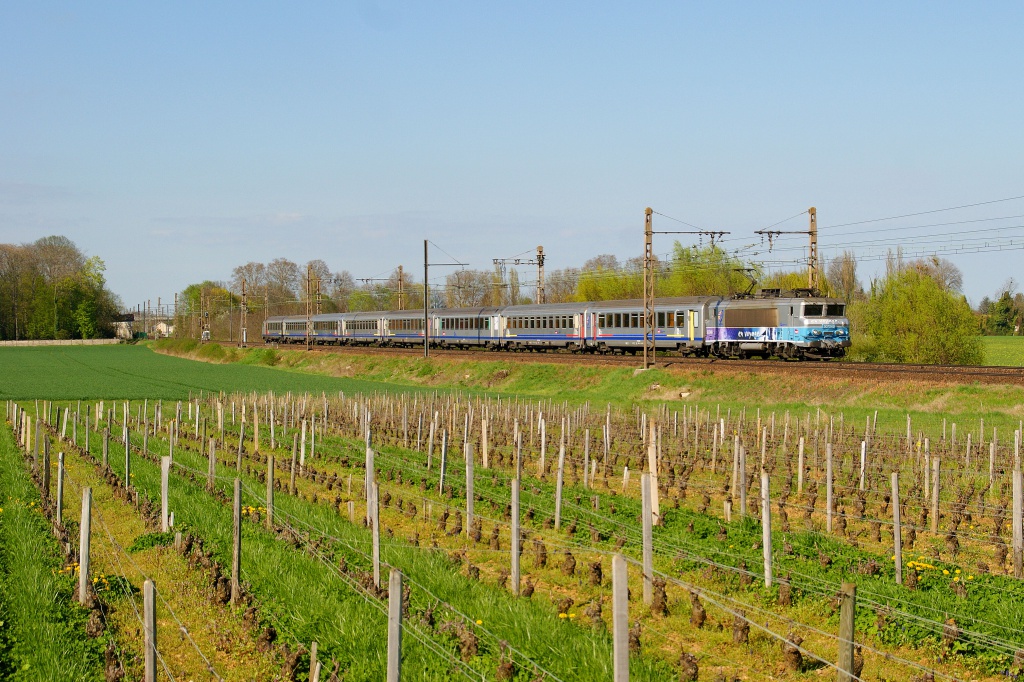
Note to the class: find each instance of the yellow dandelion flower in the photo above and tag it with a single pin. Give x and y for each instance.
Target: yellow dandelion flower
(945, 572)
(479, 622)
(572, 615)
(956, 579)
(970, 577)
(958, 570)
(561, 615)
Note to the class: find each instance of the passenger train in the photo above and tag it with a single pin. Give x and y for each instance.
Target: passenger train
(790, 325)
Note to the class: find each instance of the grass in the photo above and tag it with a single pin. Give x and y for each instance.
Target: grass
(42, 631)
(131, 372)
(137, 554)
(1004, 351)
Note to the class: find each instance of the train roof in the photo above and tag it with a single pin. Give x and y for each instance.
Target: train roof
(663, 301)
(535, 308)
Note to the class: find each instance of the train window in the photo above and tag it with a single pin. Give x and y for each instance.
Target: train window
(670, 319)
(835, 310)
(813, 310)
(696, 318)
(634, 319)
(661, 320)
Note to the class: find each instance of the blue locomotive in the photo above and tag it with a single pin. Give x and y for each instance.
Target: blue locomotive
(789, 325)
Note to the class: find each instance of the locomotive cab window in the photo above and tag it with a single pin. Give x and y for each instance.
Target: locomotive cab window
(835, 310)
(813, 310)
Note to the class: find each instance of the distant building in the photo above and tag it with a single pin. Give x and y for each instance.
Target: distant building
(163, 329)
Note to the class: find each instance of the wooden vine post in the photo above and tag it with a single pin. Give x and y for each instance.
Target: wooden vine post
(236, 544)
(270, 492)
(1018, 531)
(469, 489)
(84, 536)
(766, 528)
(149, 626)
(847, 611)
(648, 524)
(165, 471)
(620, 620)
(515, 536)
(897, 531)
(394, 625)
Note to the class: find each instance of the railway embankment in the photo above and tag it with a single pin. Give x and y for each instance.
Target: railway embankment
(774, 386)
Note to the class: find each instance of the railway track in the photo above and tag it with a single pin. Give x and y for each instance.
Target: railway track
(948, 374)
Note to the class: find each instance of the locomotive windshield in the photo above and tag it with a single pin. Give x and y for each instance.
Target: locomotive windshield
(824, 310)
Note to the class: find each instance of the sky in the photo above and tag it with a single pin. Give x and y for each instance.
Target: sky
(178, 140)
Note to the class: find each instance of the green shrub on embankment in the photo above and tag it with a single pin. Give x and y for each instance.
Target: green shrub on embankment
(42, 630)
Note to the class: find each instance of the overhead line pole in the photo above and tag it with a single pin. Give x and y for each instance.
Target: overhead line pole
(812, 259)
(309, 308)
(541, 293)
(538, 261)
(649, 344)
(426, 297)
(245, 310)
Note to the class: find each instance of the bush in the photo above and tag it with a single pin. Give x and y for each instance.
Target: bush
(911, 318)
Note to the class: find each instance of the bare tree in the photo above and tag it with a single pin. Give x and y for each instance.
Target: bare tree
(942, 271)
(318, 269)
(254, 274)
(341, 289)
(605, 261)
(57, 258)
(467, 288)
(283, 279)
(842, 275)
(560, 286)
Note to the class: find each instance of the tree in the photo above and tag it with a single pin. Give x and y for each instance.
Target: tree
(911, 318)
(841, 274)
(1002, 316)
(48, 289)
(283, 280)
(255, 276)
(57, 258)
(705, 271)
(944, 272)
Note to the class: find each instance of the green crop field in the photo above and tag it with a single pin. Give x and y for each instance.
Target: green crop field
(1004, 351)
(72, 373)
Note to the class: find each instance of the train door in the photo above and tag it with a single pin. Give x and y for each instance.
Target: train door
(694, 323)
(689, 323)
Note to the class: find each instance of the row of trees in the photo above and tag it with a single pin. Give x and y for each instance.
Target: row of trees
(1005, 315)
(49, 289)
(914, 313)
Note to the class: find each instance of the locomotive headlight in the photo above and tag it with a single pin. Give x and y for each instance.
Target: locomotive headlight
(816, 332)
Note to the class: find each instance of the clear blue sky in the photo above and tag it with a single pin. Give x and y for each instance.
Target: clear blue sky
(177, 140)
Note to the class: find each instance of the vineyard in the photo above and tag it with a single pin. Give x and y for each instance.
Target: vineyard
(359, 536)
